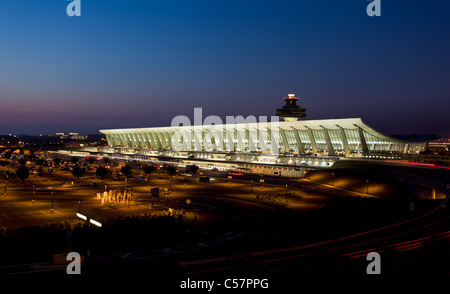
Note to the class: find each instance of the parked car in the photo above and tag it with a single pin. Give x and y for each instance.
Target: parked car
(204, 179)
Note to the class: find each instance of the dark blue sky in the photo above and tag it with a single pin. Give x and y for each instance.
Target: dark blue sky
(140, 63)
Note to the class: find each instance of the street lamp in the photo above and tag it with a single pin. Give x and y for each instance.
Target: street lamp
(367, 186)
(332, 179)
(34, 193)
(252, 185)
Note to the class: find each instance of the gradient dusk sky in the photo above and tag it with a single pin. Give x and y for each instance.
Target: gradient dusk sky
(126, 63)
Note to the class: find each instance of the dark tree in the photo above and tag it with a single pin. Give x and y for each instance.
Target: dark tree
(74, 160)
(39, 162)
(126, 170)
(3, 163)
(171, 170)
(106, 160)
(79, 172)
(7, 154)
(23, 173)
(22, 162)
(31, 157)
(57, 160)
(149, 169)
(101, 172)
(90, 160)
(193, 169)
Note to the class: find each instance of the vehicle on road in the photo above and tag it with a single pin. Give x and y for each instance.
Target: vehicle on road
(204, 179)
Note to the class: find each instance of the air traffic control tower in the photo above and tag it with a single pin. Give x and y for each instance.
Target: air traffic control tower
(291, 111)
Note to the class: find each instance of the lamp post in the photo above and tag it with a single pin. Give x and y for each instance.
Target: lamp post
(52, 203)
(332, 179)
(367, 186)
(166, 199)
(286, 191)
(252, 185)
(34, 194)
(6, 184)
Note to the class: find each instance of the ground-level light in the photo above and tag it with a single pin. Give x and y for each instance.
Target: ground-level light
(82, 216)
(89, 219)
(94, 222)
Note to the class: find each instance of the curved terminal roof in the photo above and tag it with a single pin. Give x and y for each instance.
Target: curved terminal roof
(330, 124)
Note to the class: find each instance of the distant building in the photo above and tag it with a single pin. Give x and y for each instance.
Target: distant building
(73, 136)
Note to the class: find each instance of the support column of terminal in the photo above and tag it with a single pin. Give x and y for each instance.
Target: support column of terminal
(240, 140)
(251, 145)
(313, 141)
(344, 141)
(406, 149)
(229, 134)
(157, 140)
(328, 141)
(301, 150)
(285, 141)
(123, 140)
(273, 141)
(197, 142)
(365, 149)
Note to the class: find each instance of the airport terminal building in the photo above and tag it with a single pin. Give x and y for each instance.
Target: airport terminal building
(349, 137)
(293, 138)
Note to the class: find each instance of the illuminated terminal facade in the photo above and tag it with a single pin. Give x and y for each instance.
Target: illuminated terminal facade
(344, 137)
(349, 137)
